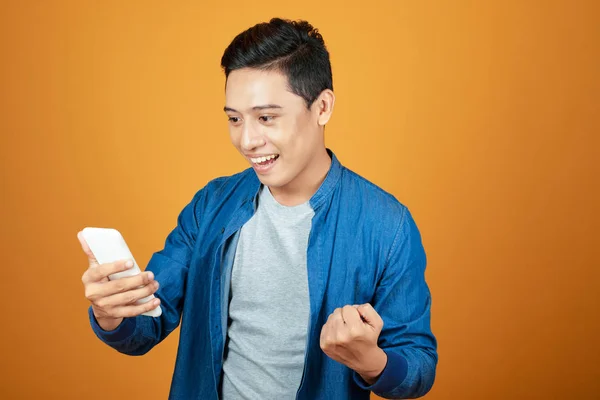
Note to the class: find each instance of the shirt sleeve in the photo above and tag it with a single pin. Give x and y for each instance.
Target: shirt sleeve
(403, 301)
(138, 335)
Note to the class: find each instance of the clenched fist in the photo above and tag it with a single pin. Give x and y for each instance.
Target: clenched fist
(350, 337)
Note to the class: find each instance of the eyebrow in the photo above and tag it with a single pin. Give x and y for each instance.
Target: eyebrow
(255, 108)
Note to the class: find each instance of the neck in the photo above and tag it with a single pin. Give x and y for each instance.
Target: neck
(305, 185)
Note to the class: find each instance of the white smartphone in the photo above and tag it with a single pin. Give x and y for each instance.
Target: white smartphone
(108, 246)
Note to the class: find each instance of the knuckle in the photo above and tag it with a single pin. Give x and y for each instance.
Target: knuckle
(130, 298)
(89, 275)
(108, 267)
(94, 275)
(120, 286)
(353, 334)
(98, 312)
(343, 338)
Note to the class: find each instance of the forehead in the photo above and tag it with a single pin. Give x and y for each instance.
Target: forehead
(248, 87)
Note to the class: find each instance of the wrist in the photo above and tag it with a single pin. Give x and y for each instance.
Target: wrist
(376, 365)
(108, 324)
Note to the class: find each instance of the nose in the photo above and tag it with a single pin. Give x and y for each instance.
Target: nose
(251, 137)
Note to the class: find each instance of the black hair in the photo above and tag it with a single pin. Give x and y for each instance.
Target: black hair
(294, 48)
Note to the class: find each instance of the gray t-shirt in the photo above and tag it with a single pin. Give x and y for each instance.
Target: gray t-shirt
(269, 304)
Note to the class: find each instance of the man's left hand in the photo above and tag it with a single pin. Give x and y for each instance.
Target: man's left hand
(350, 337)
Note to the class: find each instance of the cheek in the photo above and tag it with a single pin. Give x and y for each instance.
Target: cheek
(288, 136)
(304, 131)
(234, 137)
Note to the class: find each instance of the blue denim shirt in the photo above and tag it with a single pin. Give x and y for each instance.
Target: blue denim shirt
(363, 247)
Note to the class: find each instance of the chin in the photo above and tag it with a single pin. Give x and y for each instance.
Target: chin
(269, 181)
(272, 181)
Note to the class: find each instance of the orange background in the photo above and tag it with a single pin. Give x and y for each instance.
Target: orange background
(482, 117)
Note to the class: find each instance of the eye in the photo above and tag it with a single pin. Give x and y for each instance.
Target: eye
(266, 118)
(233, 120)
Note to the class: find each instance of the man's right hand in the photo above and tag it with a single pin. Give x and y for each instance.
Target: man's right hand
(114, 300)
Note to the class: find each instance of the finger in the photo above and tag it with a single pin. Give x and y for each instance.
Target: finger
(129, 297)
(135, 310)
(361, 317)
(324, 331)
(96, 274)
(87, 280)
(371, 317)
(338, 324)
(337, 316)
(327, 333)
(86, 249)
(98, 290)
(352, 317)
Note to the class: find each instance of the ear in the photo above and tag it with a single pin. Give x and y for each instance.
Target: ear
(324, 106)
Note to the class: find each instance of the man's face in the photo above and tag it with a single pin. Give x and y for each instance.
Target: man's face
(271, 126)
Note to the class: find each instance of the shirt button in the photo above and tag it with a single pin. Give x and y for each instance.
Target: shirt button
(222, 230)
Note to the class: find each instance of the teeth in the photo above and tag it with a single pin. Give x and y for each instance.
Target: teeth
(263, 159)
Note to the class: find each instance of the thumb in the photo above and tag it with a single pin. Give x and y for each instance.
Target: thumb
(86, 249)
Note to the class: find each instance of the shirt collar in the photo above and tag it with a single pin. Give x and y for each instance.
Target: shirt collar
(330, 182)
(327, 186)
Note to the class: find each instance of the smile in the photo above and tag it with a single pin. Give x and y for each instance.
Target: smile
(264, 159)
(265, 163)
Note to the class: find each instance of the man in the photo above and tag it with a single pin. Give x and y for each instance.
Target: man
(295, 278)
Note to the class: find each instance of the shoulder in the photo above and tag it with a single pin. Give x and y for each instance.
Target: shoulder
(226, 190)
(377, 201)
(380, 213)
